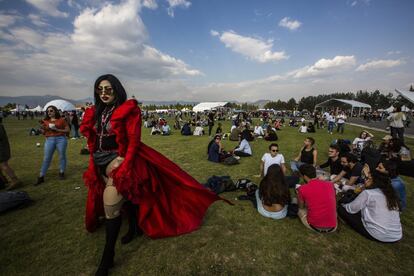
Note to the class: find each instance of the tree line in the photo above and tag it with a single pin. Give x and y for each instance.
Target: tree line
(376, 99)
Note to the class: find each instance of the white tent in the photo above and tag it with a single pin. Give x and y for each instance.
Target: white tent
(206, 106)
(406, 94)
(37, 108)
(19, 108)
(341, 102)
(61, 105)
(390, 109)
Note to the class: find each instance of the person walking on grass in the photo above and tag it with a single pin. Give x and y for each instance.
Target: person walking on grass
(160, 199)
(331, 122)
(397, 119)
(54, 128)
(340, 120)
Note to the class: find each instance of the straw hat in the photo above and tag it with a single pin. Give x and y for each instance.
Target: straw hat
(387, 137)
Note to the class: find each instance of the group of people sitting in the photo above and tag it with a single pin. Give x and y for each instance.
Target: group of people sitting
(366, 176)
(161, 127)
(375, 197)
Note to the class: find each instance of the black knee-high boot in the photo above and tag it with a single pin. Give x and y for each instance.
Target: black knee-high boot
(133, 228)
(112, 230)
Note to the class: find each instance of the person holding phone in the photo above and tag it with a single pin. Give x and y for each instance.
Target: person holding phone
(54, 128)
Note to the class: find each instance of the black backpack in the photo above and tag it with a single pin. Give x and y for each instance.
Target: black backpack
(231, 160)
(13, 200)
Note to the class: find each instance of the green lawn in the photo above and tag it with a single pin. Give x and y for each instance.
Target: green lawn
(49, 238)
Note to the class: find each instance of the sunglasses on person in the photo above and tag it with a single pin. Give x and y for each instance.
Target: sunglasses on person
(274, 150)
(104, 89)
(50, 111)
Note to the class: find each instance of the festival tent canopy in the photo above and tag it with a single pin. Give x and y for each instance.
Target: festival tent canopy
(61, 105)
(206, 106)
(390, 109)
(406, 94)
(37, 108)
(341, 102)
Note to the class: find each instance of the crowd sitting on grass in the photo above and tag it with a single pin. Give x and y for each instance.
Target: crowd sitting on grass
(371, 204)
(361, 183)
(367, 175)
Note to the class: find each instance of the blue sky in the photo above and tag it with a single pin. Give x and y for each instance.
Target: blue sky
(206, 50)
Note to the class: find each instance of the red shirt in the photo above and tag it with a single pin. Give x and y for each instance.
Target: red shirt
(59, 123)
(319, 197)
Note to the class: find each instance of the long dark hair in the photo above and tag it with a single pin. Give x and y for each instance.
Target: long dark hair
(273, 188)
(383, 182)
(57, 113)
(397, 144)
(119, 92)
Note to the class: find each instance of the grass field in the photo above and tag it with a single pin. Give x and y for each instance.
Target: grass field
(49, 237)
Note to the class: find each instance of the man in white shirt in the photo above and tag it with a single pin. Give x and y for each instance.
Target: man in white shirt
(341, 118)
(397, 119)
(273, 157)
(331, 122)
(166, 130)
(258, 130)
(303, 128)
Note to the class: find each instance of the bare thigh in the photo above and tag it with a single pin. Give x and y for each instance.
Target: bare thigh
(111, 198)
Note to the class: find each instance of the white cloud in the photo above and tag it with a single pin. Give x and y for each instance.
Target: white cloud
(74, 4)
(7, 20)
(49, 7)
(214, 33)
(390, 53)
(252, 48)
(37, 20)
(379, 64)
(150, 4)
(325, 67)
(324, 74)
(177, 3)
(354, 3)
(112, 39)
(290, 24)
(27, 36)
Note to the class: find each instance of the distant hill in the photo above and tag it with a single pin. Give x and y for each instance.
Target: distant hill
(33, 101)
(167, 102)
(261, 103)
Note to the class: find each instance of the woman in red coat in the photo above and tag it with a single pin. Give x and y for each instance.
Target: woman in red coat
(160, 199)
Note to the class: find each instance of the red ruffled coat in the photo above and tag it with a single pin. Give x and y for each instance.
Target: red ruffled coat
(171, 201)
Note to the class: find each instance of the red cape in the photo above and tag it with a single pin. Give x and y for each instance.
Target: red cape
(171, 201)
